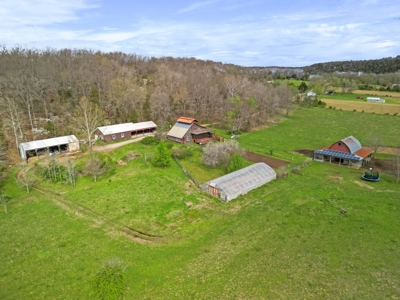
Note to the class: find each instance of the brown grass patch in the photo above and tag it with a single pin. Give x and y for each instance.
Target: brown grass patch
(121, 163)
(362, 184)
(336, 178)
(378, 108)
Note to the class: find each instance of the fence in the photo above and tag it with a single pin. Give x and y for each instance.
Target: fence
(187, 172)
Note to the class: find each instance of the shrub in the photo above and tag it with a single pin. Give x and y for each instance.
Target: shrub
(297, 170)
(281, 173)
(149, 140)
(233, 132)
(162, 158)
(182, 153)
(109, 282)
(236, 163)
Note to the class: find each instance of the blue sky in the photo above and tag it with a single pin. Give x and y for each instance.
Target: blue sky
(248, 33)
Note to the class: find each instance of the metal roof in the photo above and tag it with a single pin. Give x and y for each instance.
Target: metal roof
(339, 154)
(198, 129)
(186, 120)
(352, 143)
(125, 127)
(242, 181)
(179, 130)
(40, 144)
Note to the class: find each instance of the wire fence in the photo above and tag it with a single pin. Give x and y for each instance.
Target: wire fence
(187, 172)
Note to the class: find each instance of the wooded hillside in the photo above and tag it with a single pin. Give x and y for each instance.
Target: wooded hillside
(40, 91)
(376, 66)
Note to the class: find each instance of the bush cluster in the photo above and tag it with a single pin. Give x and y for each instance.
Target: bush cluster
(149, 140)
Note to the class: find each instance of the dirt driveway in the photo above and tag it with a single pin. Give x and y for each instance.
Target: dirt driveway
(272, 162)
(106, 148)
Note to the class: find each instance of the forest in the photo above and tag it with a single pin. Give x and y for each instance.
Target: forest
(40, 91)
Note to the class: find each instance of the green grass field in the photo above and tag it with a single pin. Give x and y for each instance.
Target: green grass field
(285, 240)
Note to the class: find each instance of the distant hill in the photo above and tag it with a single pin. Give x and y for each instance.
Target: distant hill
(377, 66)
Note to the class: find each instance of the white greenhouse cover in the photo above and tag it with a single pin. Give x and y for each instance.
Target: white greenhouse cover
(242, 181)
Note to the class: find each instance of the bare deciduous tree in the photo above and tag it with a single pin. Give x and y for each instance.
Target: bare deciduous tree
(396, 164)
(375, 142)
(88, 117)
(27, 181)
(95, 166)
(71, 173)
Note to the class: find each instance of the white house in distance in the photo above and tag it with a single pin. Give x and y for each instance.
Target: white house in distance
(377, 100)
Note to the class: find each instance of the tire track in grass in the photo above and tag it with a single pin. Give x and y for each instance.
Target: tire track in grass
(68, 204)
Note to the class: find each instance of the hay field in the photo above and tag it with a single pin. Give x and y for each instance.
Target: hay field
(379, 93)
(378, 108)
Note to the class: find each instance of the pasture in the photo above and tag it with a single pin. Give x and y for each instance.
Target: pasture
(322, 234)
(363, 106)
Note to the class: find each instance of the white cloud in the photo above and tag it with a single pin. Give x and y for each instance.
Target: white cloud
(195, 6)
(41, 12)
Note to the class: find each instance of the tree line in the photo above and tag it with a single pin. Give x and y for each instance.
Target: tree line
(41, 90)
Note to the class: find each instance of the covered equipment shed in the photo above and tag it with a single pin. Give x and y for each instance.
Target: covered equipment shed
(68, 143)
(232, 185)
(122, 131)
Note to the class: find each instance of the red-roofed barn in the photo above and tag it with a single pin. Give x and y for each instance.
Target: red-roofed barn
(347, 151)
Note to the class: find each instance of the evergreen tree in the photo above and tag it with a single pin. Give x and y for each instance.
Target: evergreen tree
(162, 158)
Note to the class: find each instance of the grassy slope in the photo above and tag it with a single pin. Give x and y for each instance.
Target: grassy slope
(282, 241)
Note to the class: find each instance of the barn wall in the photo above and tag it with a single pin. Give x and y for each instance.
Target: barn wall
(340, 146)
(118, 136)
(73, 146)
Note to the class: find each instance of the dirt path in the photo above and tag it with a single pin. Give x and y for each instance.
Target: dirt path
(106, 148)
(272, 162)
(83, 211)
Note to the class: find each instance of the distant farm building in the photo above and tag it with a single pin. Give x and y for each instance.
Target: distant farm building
(232, 185)
(187, 130)
(311, 94)
(377, 100)
(60, 144)
(122, 131)
(346, 152)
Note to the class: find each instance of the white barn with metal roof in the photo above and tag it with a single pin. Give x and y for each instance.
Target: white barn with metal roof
(232, 185)
(67, 143)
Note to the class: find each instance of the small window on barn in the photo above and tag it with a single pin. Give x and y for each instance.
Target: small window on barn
(113, 136)
(340, 144)
(122, 135)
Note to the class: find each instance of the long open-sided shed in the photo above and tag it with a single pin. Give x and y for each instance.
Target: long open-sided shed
(67, 143)
(232, 185)
(122, 131)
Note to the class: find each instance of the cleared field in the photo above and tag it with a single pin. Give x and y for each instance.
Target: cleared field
(378, 108)
(379, 93)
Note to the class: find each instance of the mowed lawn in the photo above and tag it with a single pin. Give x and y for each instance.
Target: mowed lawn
(324, 234)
